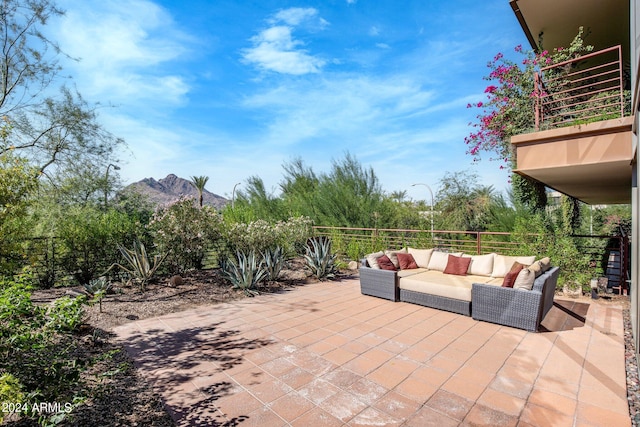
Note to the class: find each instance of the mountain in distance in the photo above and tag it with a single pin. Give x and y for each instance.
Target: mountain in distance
(171, 188)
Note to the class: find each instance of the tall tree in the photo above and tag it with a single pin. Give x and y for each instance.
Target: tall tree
(199, 182)
(52, 131)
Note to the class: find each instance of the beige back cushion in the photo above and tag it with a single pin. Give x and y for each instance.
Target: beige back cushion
(502, 263)
(439, 260)
(393, 257)
(422, 256)
(481, 265)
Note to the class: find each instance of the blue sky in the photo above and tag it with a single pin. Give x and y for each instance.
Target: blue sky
(232, 89)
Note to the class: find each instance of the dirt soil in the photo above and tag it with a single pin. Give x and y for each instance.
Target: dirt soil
(119, 395)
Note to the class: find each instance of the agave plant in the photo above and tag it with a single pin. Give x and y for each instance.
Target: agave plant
(139, 267)
(274, 262)
(319, 259)
(245, 272)
(97, 289)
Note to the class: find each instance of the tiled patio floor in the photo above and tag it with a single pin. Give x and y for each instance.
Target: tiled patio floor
(325, 355)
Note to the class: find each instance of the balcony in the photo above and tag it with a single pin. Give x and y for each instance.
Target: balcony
(582, 144)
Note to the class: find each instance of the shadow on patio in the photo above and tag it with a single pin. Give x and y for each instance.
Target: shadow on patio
(323, 354)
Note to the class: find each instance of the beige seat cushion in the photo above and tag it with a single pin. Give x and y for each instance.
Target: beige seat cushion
(444, 285)
(407, 273)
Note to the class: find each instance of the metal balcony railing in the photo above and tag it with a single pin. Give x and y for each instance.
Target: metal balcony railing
(583, 90)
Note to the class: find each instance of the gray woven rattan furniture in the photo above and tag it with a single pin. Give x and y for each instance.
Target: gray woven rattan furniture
(435, 301)
(378, 283)
(514, 307)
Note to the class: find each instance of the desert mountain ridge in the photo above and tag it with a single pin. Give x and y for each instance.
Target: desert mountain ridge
(171, 188)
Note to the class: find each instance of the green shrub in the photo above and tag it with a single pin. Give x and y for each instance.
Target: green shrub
(261, 235)
(37, 353)
(10, 391)
(185, 232)
(89, 238)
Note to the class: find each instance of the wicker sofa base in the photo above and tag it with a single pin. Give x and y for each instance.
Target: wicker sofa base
(435, 301)
(379, 283)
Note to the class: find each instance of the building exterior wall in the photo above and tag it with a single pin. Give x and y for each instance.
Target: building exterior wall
(634, 37)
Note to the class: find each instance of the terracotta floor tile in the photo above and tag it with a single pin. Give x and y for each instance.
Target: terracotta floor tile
(318, 390)
(341, 377)
(416, 389)
(296, 378)
(361, 365)
(277, 367)
(261, 417)
(343, 406)
(378, 355)
(367, 391)
(238, 404)
(502, 402)
(373, 417)
(442, 363)
(539, 416)
(507, 385)
(428, 417)
(598, 416)
(431, 376)
(270, 391)
(291, 406)
(397, 405)
(557, 402)
(451, 404)
(387, 376)
(463, 387)
(317, 418)
(339, 356)
(481, 415)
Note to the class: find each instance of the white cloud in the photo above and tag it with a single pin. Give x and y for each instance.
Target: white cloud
(374, 31)
(382, 45)
(275, 48)
(293, 16)
(122, 47)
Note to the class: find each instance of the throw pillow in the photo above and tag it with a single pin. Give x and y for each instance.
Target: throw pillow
(385, 263)
(422, 256)
(541, 266)
(502, 264)
(372, 259)
(393, 256)
(510, 277)
(525, 280)
(457, 265)
(439, 260)
(406, 261)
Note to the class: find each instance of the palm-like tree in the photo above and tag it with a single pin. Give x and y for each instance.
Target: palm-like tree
(199, 182)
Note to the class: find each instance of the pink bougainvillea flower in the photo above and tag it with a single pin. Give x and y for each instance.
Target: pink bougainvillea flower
(490, 89)
(479, 104)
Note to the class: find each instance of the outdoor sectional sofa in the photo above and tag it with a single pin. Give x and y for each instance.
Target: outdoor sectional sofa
(511, 291)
